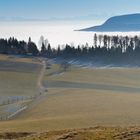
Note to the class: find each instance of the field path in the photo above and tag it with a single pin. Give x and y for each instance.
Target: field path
(41, 88)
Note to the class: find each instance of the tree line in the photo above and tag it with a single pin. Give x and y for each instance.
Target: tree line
(105, 48)
(13, 46)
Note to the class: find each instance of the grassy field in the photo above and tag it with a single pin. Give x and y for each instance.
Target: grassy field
(18, 82)
(78, 98)
(18, 78)
(82, 98)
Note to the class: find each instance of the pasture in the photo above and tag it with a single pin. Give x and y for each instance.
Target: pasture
(83, 98)
(18, 82)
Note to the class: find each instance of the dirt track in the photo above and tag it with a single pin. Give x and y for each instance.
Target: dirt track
(41, 75)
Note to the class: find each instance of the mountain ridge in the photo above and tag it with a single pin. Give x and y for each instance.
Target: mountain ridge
(130, 22)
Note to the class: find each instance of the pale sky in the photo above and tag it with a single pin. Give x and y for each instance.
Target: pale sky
(67, 9)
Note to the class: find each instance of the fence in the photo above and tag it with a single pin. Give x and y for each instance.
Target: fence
(19, 109)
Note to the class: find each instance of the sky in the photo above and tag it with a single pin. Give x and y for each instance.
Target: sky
(66, 9)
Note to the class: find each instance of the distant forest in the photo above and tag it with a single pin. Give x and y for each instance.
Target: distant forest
(106, 49)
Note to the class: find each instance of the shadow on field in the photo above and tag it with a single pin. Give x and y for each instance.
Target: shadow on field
(19, 66)
(66, 84)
